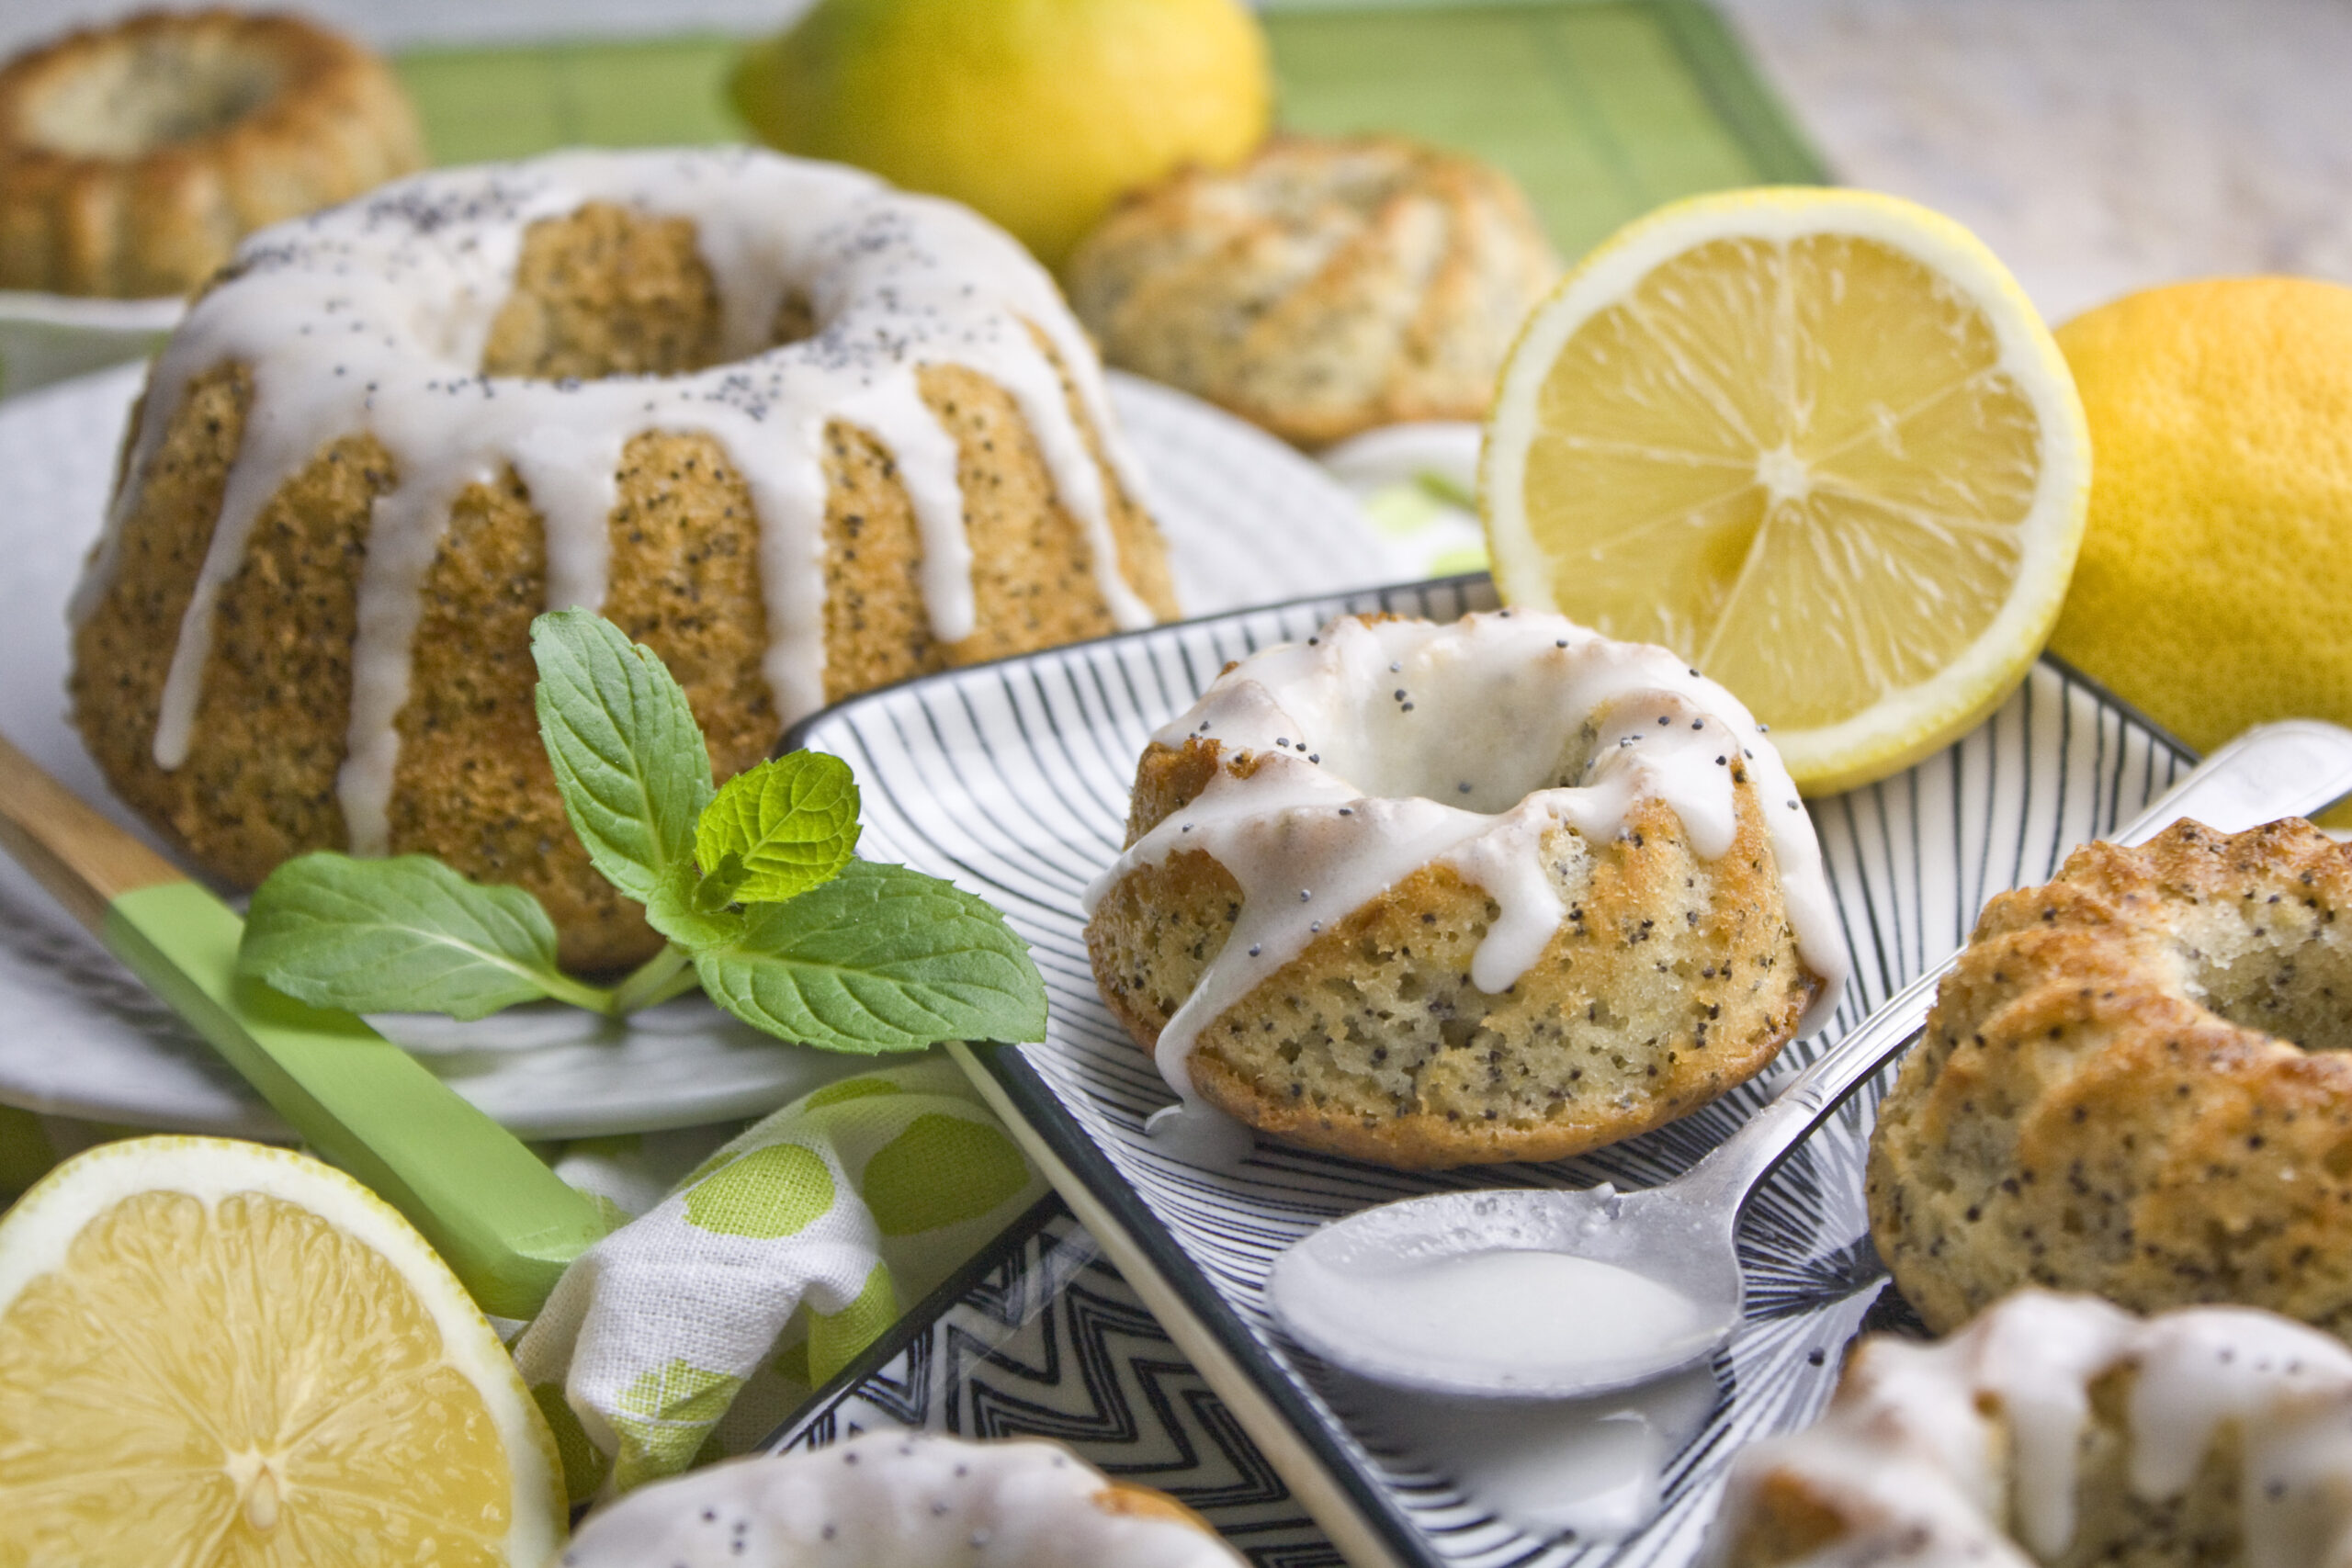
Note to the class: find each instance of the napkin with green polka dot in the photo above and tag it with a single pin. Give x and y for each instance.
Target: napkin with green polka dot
(690, 1332)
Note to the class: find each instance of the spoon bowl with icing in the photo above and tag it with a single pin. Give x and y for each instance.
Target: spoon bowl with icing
(1556, 1294)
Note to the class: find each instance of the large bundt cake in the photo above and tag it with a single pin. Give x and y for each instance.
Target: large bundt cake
(901, 1500)
(2134, 1083)
(133, 158)
(1322, 288)
(1436, 894)
(2059, 1430)
(800, 433)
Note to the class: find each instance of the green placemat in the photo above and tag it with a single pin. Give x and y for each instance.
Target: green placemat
(483, 104)
(1602, 108)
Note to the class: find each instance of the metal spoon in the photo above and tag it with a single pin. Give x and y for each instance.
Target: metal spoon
(1338, 1290)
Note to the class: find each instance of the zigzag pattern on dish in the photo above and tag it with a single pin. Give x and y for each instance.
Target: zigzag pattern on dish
(1048, 1341)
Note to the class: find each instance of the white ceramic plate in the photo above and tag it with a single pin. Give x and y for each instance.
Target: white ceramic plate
(48, 337)
(1016, 777)
(1248, 521)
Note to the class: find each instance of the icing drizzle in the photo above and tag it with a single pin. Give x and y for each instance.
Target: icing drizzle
(1909, 1455)
(374, 316)
(1366, 770)
(891, 1500)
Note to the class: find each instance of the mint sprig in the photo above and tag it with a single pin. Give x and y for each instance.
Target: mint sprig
(629, 756)
(780, 829)
(753, 885)
(407, 934)
(880, 958)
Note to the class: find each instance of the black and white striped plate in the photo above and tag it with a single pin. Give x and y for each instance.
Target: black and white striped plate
(1012, 780)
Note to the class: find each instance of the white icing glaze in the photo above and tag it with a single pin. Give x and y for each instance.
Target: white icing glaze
(374, 317)
(1911, 1455)
(889, 1500)
(1367, 770)
(1508, 1307)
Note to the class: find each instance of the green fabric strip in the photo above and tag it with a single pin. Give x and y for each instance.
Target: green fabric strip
(504, 1221)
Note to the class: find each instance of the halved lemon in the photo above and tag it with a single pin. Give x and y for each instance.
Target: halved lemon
(1819, 443)
(215, 1352)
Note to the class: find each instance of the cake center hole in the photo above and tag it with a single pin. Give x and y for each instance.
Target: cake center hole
(2280, 968)
(149, 93)
(1477, 737)
(607, 290)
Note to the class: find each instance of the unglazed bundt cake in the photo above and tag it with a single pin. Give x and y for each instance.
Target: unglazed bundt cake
(1322, 288)
(2060, 1430)
(2134, 1083)
(800, 433)
(1435, 894)
(133, 158)
(901, 1500)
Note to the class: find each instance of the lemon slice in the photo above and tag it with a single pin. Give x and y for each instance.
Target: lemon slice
(1819, 443)
(214, 1352)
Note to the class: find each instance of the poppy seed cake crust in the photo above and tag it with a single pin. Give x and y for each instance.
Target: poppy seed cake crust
(1673, 980)
(1325, 286)
(2136, 1083)
(603, 291)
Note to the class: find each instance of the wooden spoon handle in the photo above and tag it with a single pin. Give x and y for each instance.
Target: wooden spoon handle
(82, 858)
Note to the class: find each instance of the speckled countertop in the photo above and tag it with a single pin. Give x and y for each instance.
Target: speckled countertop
(2098, 146)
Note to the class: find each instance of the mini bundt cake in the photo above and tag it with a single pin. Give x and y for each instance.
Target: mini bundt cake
(133, 158)
(1322, 288)
(901, 1500)
(2133, 1084)
(800, 433)
(1435, 894)
(2060, 1430)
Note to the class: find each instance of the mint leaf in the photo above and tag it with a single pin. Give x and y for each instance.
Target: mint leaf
(880, 958)
(401, 935)
(685, 908)
(629, 756)
(789, 824)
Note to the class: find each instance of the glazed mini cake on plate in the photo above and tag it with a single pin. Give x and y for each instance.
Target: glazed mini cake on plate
(1435, 894)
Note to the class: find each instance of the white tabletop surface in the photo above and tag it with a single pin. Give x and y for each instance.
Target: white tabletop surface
(2098, 146)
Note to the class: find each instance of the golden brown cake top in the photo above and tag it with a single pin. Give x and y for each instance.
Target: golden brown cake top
(377, 316)
(1932, 1455)
(1379, 746)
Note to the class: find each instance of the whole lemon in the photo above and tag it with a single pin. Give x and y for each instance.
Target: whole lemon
(1039, 112)
(2214, 587)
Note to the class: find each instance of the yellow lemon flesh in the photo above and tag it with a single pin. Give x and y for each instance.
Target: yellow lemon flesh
(214, 1352)
(1039, 112)
(2215, 586)
(1817, 442)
